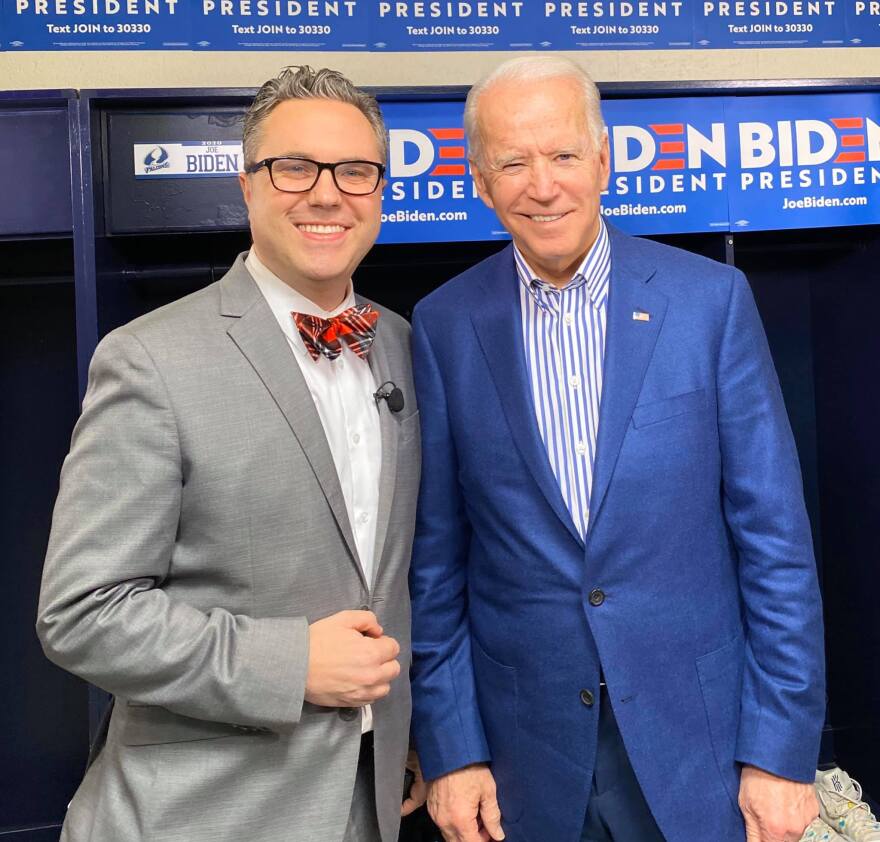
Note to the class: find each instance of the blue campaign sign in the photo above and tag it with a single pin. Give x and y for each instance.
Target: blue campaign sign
(862, 23)
(770, 23)
(804, 161)
(280, 24)
(455, 25)
(96, 24)
(669, 160)
(430, 195)
(618, 24)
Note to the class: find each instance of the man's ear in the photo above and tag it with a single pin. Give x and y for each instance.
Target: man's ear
(245, 188)
(605, 160)
(481, 184)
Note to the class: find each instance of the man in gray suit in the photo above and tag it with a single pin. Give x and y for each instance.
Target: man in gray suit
(231, 539)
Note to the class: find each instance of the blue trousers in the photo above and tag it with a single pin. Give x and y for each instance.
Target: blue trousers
(617, 811)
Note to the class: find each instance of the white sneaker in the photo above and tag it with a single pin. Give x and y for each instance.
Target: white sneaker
(818, 831)
(841, 806)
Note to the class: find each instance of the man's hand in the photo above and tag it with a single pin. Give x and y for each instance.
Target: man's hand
(418, 792)
(351, 663)
(463, 805)
(775, 809)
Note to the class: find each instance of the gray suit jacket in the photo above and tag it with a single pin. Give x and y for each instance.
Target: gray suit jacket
(199, 529)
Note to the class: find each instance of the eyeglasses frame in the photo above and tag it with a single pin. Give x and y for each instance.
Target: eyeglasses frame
(321, 165)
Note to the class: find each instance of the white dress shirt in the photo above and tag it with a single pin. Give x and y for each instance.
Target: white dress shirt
(342, 390)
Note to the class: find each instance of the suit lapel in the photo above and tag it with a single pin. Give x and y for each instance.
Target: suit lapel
(498, 324)
(256, 333)
(629, 344)
(388, 426)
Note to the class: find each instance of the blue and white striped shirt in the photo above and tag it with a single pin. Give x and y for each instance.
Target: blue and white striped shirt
(564, 338)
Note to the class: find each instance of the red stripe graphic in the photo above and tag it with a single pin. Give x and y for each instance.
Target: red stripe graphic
(451, 151)
(848, 122)
(448, 134)
(672, 146)
(849, 158)
(667, 128)
(852, 140)
(448, 169)
(669, 164)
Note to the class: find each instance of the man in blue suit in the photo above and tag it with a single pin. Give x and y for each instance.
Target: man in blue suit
(617, 629)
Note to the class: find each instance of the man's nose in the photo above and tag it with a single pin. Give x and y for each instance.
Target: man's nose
(325, 192)
(542, 181)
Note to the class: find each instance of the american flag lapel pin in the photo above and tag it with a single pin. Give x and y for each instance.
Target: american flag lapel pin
(641, 316)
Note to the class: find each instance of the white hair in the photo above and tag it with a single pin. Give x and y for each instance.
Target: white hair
(533, 69)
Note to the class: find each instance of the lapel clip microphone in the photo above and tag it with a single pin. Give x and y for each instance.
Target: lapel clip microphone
(389, 393)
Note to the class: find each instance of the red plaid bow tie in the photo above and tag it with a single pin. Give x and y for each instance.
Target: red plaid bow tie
(356, 327)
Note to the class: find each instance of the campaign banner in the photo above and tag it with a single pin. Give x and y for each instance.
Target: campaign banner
(188, 159)
(679, 165)
(280, 24)
(430, 195)
(412, 25)
(96, 24)
(618, 24)
(769, 23)
(669, 162)
(862, 23)
(804, 161)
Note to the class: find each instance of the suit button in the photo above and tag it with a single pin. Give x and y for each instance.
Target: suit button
(597, 597)
(364, 608)
(348, 714)
(587, 698)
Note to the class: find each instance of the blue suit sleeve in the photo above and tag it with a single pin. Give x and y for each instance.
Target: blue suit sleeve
(446, 720)
(783, 693)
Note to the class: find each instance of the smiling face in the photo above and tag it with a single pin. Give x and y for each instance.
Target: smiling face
(541, 172)
(313, 241)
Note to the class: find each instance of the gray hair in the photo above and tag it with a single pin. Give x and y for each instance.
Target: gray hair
(303, 82)
(533, 69)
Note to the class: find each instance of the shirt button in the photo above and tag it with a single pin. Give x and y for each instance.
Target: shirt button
(574, 381)
(356, 438)
(597, 597)
(587, 698)
(581, 448)
(363, 517)
(569, 319)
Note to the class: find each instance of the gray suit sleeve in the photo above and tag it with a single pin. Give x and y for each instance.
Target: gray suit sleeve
(103, 613)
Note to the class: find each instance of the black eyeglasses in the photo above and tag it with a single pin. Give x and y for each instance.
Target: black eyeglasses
(299, 175)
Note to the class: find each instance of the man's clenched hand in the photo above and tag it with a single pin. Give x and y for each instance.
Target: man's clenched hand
(351, 663)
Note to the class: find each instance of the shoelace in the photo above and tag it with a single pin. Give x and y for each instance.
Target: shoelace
(855, 809)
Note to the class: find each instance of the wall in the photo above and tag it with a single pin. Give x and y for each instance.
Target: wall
(28, 71)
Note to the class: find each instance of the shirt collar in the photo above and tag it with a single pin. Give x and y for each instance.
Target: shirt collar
(283, 299)
(594, 271)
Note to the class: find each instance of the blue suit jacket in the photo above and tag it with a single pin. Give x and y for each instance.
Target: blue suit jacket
(710, 635)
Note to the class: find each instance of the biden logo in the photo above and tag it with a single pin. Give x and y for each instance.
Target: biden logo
(435, 152)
